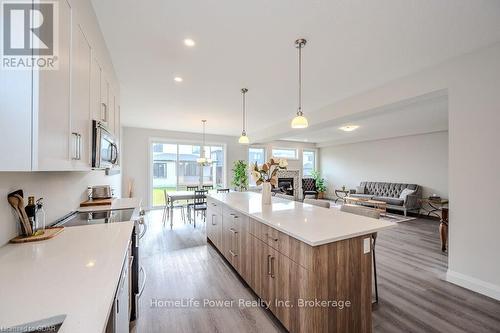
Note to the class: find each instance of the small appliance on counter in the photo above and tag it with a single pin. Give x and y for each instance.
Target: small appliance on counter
(101, 192)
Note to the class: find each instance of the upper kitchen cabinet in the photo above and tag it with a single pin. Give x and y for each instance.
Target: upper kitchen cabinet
(81, 131)
(46, 114)
(15, 121)
(51, 104)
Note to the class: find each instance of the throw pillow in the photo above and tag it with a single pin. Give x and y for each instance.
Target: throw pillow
(406, 192)
(360, 190)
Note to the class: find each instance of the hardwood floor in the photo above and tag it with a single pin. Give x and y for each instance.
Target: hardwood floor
(413, 295)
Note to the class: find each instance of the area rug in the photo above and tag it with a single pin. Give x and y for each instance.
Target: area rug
(387, 217)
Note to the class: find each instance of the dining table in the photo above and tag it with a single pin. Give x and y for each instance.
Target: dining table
(174, 196)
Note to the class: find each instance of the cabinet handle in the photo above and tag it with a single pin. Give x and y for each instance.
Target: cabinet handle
(213, 215)
(76, 144)
(232, 253)
(79, 146)
(269, 264)
(233, 231)
(272, 267)
(117, 306)
(104, 112)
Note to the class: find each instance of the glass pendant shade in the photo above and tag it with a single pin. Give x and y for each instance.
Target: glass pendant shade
(299, 122)
(244, 139)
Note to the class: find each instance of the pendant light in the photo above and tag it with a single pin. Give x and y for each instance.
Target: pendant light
(202, 160)
(244, 138)
(300, 121)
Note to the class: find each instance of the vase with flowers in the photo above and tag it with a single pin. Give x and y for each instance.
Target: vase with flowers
(267, 176)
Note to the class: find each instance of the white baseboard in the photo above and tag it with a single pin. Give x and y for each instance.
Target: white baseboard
(471, 283)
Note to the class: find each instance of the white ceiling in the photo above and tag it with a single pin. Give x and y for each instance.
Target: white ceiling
(353, 46)
(424, 114)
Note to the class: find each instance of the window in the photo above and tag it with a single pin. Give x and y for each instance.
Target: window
(174, 166)
(255, 155)
(287, 153)
(308, 162)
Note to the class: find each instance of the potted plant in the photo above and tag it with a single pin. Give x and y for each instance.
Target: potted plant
(240, 176)
(320, 184)
(266, 175)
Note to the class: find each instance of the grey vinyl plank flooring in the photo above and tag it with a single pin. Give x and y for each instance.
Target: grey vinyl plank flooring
(413, 296)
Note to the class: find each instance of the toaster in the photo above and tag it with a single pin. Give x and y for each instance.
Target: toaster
(101, 192)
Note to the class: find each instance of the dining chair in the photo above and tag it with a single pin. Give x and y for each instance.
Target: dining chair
(166, 208)
(319, 203)
(199, 205)
(368, 212)
(208, 187)
(222, 190)
(191, 187)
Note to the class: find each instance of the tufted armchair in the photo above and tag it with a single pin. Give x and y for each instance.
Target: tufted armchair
(391, 194)
(309, 188)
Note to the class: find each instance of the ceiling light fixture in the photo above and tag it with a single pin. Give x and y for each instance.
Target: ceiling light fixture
(189, 42)
(178, 79)
(300, 121)
(202, 160)
(244, 138)
(349, 128)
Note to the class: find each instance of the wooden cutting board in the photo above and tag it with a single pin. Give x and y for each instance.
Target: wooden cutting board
(97, 202)
(47, 234)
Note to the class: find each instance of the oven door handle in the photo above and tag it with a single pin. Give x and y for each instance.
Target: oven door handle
(141, 269)
(144, 229)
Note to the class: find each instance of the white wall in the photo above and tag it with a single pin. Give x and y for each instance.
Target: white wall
(62, 193)
(416, 159)
(136, 158)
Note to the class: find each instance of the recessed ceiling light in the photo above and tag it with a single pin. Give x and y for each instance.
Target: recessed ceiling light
(189, 42)
(349, 128)
(178, 79)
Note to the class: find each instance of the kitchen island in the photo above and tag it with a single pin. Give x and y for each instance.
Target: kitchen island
(311, 266)
(74, 274)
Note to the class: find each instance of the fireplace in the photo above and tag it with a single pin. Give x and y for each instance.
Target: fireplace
(285, 186)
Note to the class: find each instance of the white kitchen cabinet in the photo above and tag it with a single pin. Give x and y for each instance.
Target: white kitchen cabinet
(46, 115)
(51, 105)
(96, 108)
(111, 113)
(104, 97)
(15, 121)
(80, 141)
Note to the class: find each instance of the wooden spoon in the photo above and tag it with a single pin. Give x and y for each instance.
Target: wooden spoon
(14, 202)
(26, 220)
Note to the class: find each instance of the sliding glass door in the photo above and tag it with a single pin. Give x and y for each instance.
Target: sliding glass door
(174, 167)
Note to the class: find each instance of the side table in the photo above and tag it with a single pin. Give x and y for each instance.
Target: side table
(341, 195)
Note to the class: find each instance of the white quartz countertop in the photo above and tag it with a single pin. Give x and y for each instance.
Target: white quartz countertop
(309, 224)
(118, 203)
(75, 273)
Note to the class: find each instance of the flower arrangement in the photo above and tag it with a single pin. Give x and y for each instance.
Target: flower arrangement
(267, 173)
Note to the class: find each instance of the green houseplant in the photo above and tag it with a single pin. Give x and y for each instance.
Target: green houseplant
(240, 176)
(320, 184)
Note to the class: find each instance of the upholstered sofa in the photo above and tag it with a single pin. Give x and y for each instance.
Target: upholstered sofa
(391, 194)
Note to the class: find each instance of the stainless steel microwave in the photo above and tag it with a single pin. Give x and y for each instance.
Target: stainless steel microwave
(105, 154)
